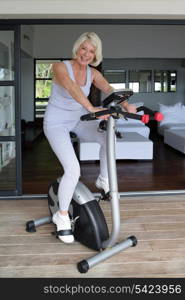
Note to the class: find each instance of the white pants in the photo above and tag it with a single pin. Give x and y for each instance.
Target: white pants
(58, 136)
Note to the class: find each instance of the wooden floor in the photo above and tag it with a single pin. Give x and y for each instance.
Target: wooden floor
(158, 222)
(165, 172)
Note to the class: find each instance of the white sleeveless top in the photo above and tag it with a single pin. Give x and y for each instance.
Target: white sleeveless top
(61, 98)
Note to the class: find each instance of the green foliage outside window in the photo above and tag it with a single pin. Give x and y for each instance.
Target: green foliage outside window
(44, 70)
(43, 88)
(43, 79)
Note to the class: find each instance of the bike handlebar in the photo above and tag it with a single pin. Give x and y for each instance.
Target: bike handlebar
(116, 111)
(94, 116)
(118, 97)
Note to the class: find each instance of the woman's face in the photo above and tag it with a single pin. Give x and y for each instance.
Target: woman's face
(86, 53)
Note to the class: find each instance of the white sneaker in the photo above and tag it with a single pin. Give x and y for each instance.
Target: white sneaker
(102, 184)
(63, 224)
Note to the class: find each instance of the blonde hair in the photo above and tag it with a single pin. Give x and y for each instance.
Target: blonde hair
(95, 40)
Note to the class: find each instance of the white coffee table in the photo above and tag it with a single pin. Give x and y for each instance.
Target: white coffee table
(175, 138)
(132, 145)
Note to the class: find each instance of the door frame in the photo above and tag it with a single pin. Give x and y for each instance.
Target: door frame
(16, 84)
(15, 24)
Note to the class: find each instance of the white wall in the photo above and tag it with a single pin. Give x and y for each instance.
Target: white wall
(119, 41)
(150, 9)
(133, 47)
(27, 41)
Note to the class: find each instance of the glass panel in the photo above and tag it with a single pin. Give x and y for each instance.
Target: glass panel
(140, 81)
(165, 81)
(6, 55)
(43, 90)
(134, 86)
(40, 108)
(158, 81)
(173, 81)
(116, 78)
(7, 166)
(43, 80)
(7, 111)
(118, 86)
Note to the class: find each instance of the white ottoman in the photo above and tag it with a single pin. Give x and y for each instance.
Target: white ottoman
(131, 146)
(88, 151)
(175, 138)
(134, 146)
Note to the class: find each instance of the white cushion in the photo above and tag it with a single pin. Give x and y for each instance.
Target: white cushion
(172, 113)
(170, 108)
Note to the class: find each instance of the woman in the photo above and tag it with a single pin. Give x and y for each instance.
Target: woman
(68, 101)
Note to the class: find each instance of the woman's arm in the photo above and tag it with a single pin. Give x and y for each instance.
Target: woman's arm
(100, 82)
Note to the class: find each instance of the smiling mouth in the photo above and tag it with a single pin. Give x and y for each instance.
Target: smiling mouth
(85, 59)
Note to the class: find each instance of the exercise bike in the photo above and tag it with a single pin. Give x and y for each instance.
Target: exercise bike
(88, 222)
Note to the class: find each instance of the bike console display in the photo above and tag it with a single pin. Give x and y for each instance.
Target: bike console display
(118, 97)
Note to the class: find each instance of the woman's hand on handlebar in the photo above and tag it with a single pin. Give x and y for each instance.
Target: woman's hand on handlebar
(130, 108)
(96, 109)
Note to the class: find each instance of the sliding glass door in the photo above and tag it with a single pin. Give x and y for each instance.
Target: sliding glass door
(10, 130)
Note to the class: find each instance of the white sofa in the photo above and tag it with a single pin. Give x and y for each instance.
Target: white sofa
(175, 138)
(172, 127)
(174, 117)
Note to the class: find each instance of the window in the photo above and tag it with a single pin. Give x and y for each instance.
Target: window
(143, 81)
(116, 78)
(165, 81)
(43, 79)
(140, 81)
